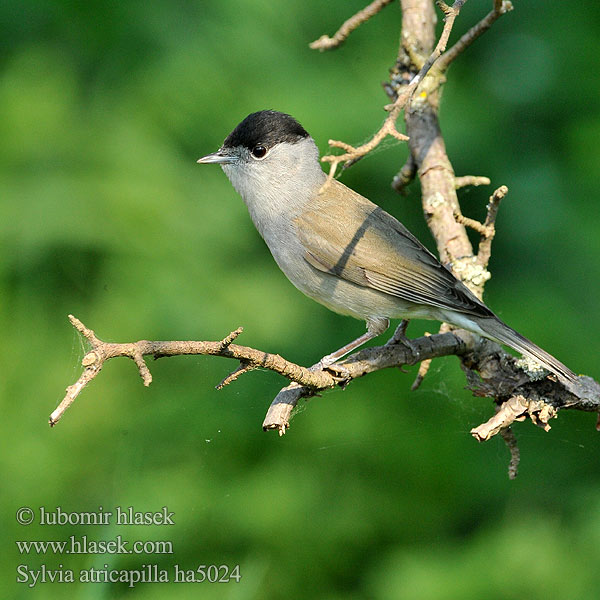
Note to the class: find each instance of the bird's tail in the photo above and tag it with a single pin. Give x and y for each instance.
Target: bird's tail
(500, 332)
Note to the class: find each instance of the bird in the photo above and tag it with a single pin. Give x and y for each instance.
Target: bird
(341, 249)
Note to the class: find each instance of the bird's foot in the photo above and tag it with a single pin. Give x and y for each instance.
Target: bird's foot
(329, 363)
(339, 371)
(399, 337)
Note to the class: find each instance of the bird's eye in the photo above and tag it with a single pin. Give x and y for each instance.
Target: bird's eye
(259, 151)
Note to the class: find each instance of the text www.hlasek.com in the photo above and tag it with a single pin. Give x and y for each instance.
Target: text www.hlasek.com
(83, 545)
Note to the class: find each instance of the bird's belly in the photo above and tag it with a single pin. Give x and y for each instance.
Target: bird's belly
(361, 302)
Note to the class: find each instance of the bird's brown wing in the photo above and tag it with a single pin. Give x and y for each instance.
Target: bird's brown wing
(371, 248)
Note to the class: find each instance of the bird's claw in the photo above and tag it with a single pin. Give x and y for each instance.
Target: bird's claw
(338, 370)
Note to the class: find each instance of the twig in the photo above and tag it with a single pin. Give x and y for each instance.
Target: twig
(327, 43)
(450, 14)
(508, 435)
(356, 365)
(228, 339)
(425, 364)
(280, 411)
(405, 175)
(307, 383)
(472, 224)
(367, 361)
(500, 8)
(101, 351)
(510, 411)
(472, 270)
(423, 370)
(438, 181)
(353, 154)
(484, 250)
(499, 375)
(243, 368)
(466, 180)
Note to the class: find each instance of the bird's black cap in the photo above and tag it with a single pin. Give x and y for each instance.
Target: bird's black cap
(267, 127)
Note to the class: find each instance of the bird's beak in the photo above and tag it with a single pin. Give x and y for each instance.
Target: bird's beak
(220, 157)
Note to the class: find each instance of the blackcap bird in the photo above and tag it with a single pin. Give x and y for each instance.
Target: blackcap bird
(341, 249)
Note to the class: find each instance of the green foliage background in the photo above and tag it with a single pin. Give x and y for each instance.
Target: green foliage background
(376, 492)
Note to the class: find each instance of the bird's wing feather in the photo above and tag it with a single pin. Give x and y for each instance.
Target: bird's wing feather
(371, 248)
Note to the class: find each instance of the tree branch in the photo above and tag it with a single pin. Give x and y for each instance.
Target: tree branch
(327, 43)
(498, 376)
(500, 371)
(249, 358)
(473, 269)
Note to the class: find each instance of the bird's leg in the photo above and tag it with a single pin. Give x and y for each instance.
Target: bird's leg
(375, 327)
(399, 337)
(400, 334)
